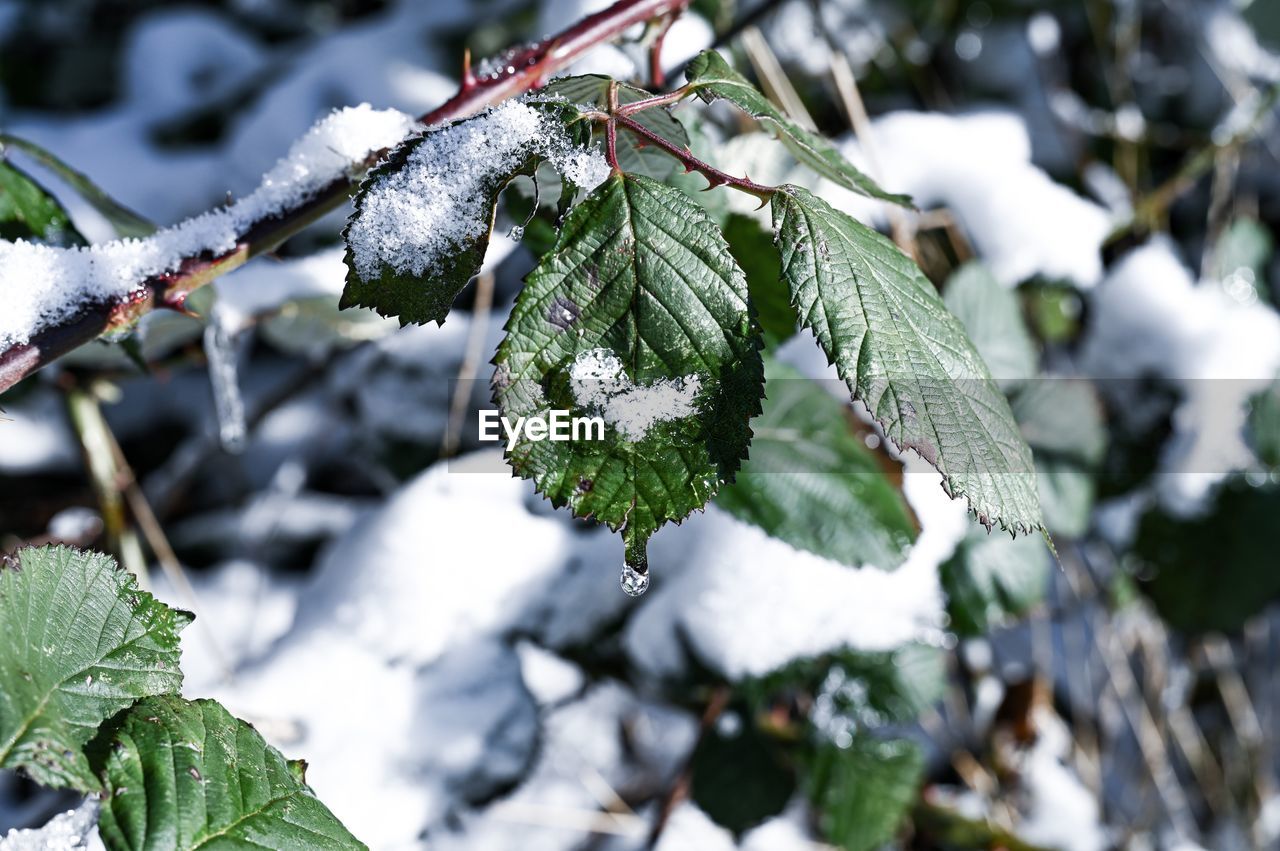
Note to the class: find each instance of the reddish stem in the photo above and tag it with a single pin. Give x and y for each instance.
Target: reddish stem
(715, 177)
(656, 77)
(521, 71)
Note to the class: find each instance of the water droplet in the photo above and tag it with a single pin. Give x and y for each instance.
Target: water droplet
(634, 583)
(635, 571)
(516, 232)
(88, 679)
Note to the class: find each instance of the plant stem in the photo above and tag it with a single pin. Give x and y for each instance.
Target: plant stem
(520, 72)
(668, 99)
(715, 177)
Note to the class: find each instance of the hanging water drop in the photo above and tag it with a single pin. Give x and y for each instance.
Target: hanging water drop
(223, 357)
(633, 582)
(635, 570)
(516, 233)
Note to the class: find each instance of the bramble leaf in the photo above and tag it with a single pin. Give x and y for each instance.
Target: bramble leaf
(639, 316)
(991, 317)
(126, 222)
(28, 211)
(864, 791)
(812, 482)
(712, 79)
(415, 276)
(989, 580)
(905, 356)
(182, 775)
(78, 642)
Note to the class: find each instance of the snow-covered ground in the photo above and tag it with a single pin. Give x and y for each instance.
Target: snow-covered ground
(423, 641)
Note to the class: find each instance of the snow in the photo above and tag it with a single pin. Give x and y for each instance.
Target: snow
(690, 829)
(602, 388)
(1153, 318)
(66, 832)
(1061, 811)
(747, 604)
(41, 285)
(440, 200)
(1021, 222)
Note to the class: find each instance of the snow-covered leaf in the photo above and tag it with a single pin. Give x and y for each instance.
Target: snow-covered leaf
(903, 354)
(28, 211)
(992, 318)
(423, 217)
(712, 79)
(633, 154)
(812, 482)
(991, 579)
(864, 789)
(638, 316)
(187, 774)
(78, 642)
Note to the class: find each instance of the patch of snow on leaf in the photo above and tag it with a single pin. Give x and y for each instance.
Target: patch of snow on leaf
(71, 830)
(601, 386)
(41, 285)
(435, 205)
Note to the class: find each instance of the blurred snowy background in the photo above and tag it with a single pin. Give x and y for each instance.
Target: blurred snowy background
(456, 661)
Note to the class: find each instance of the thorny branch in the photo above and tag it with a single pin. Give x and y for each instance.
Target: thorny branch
(520, 71)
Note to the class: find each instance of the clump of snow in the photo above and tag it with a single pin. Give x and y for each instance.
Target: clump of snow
(76, 829)
(1061, 811)
(1152, 318)
(602, 387)
(41, 285)
(437, 203)
(690, 829)
(748, 604)
(1020, 221)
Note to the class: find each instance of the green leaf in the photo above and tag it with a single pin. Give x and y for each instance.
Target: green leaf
(755, 253)
(1241, 257)
(428, 297)
(812, 482)
(640, 286)
(592, 90)
(989, 581)
(1264, 425)
(184, 774)
(992, 317)
(1061, 419)
(712, 79)
(869, 688)
(78, 642)
(126, 222)
(740, 776)
(29, 211)
(905, 356)
(863, 791)
(1216, 571)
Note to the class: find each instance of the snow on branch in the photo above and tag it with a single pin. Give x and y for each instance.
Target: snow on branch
(53, 301)
(41, 286)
